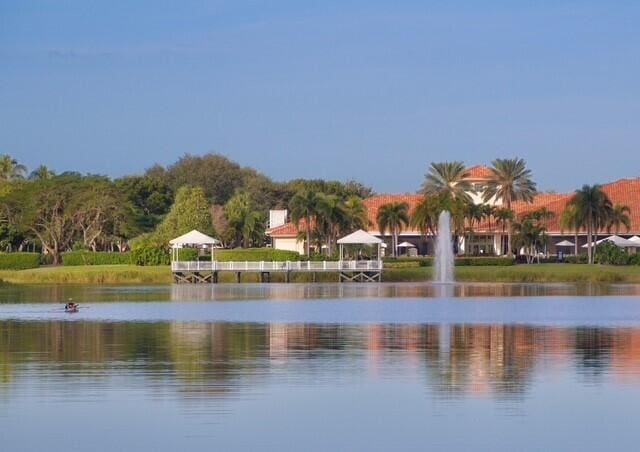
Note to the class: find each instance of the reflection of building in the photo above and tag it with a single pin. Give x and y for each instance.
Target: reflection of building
(488, 237)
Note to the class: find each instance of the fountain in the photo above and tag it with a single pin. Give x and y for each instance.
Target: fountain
(444, 250)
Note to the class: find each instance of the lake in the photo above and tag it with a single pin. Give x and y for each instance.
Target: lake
(320, 367)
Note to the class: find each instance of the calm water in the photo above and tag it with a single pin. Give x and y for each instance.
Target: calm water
(322, 367)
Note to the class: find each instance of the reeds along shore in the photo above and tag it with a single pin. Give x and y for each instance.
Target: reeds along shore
(129, 274)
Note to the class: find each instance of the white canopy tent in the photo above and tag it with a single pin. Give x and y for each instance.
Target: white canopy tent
(195, 239)
(359, 237)
(635, 238)
(617, 241)
(565, 243)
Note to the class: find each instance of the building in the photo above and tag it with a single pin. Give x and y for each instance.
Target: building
(488, 238)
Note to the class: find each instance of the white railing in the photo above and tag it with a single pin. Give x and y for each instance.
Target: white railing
(288, 266)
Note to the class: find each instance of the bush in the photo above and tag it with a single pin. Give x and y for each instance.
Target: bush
(19, 261)
(150, 255)
(95, 258)
(608, 253)
(573, 259)
(408, 262)
(482, 261)
(256, 254)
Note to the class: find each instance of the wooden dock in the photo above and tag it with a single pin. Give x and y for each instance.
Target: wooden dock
(206, 272)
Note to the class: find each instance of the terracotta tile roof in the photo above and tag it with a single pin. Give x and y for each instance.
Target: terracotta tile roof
(373, 204)
(479, 172)
(286, 230)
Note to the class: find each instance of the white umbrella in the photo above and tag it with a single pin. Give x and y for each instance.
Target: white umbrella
(635, 238)
(406, 245)
(565, 243)
(617, 241)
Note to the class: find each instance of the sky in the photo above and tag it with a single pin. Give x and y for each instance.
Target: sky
(367, 90)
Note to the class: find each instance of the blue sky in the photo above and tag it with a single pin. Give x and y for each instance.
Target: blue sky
(348, 89)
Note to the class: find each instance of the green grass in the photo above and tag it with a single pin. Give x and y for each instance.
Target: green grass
(131, 274)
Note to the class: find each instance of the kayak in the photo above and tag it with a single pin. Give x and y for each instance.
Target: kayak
(72, 309)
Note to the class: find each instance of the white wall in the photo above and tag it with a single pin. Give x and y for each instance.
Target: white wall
(289, 244)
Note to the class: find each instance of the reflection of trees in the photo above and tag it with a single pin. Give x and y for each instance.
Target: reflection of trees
(216, 358)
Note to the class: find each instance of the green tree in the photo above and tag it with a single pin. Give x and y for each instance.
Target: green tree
(304, 206)
(10, 169)
(393, 216)
(569, 220)
(449, 179)
(504, 217)
(42, 172)
(356, 216)
(244, 219)
(189, 211)
(510, 181)
(619, 216)
(425, 216)
(150, 196)
(331, 218)
(592, 209)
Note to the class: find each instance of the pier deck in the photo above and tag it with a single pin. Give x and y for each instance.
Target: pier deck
(207, 271)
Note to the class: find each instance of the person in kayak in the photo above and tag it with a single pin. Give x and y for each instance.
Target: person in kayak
(71, 307)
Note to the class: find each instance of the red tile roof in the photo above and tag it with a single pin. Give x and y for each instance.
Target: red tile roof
(479, 172)
(373, 204)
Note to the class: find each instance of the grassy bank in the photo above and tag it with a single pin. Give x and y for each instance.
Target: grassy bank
(130, 274)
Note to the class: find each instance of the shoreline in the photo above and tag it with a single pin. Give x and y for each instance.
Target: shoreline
(523, 273)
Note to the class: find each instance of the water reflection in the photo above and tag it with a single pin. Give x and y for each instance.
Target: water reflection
(60, 293)
(217, 358)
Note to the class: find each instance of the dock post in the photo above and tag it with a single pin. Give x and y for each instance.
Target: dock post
(215, 277)
(288, 276)
(238, 277)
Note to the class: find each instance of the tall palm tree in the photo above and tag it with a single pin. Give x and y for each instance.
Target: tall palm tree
(42, 172)
(10, 169)
(393, 216)
(449, 179)
(504, 217)
(619, 216)
(304, 206)
(474, 214)
(569, 220)
(330, 217)
(425, 216)
(593, 209)
(510, 181)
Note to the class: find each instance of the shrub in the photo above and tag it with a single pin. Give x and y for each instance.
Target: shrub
(481, 261)
(408, 262)
(256, 254)
(19, 261)
(573, 259)
(608, 253)
(150, 255)
(95, 258)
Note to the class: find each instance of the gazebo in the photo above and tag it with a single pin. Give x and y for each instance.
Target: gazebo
(193, 239)
(366, 270)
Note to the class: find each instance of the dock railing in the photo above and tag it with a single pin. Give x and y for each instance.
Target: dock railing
(277, 266)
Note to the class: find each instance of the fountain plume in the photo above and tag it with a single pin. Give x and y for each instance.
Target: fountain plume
(444, 250)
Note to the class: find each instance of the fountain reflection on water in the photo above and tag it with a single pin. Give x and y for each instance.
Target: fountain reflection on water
(443, 273)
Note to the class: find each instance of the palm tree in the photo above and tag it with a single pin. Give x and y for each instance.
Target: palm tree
(304, 206)
(474, 213)
(592, 209)
(330, 216)
(393, 216)
(619, 216)
(10, 169)
(425, 216)
(510, 181)
(504, 217)
(42, 172)
(448, 179)
(569, 220)
(355, 214)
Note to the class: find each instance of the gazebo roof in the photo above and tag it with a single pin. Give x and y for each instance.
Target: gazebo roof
(565, 243)
(359, 237)
(193, 238)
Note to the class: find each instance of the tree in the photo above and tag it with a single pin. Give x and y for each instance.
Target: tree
(150, 196)
(592, 209)
(528, 234)
(41, 173)
(331, 218)
(510, 181)
(10, 169)
(619, 216)
(393, 216)
(304, 206)
(504, 217)
(569, 220)
(474, 213)
(189, 211)
(244, 219)
(449, 179)
(355, 213)
(425, 215)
